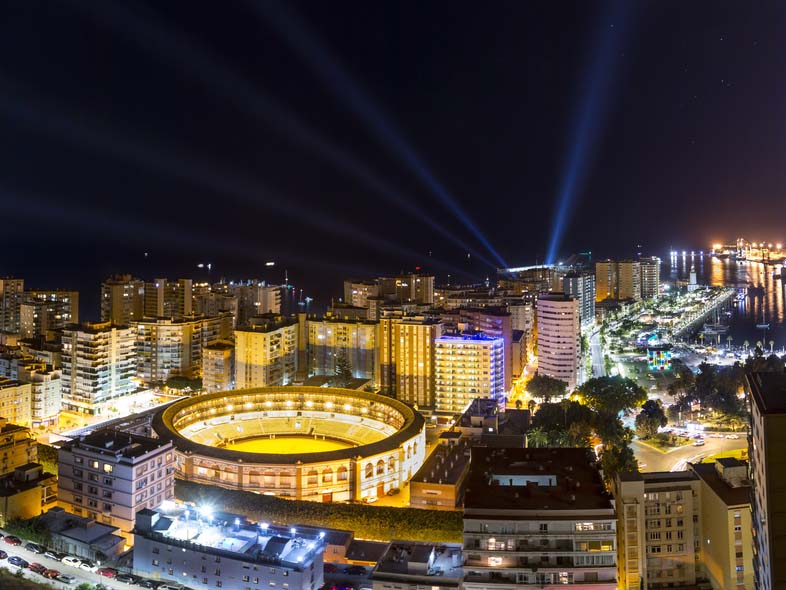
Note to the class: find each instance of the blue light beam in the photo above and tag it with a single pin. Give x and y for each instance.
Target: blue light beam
(590, 120)
(218, 77)
(327, 68)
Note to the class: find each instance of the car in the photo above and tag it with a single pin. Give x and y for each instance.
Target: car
(733, 436)
(148, 583)
(699, 443)
(370, 499)
(329, 568)
(88, 566)
(66, 579)
(34, 547)
(107, 572)
(170, 587)
(3, 554)
(72, 561)
(51, 574)
(128, 578)
(18, 561)
(355, 570)
(11, 540)
(37, 568)
(393, 491)
(54, 555)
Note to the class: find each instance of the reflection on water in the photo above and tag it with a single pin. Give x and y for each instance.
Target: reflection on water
(764, 302)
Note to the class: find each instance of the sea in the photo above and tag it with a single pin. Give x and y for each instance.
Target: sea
(762, 301)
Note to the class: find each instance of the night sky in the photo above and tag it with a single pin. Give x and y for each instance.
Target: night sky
(355, 137)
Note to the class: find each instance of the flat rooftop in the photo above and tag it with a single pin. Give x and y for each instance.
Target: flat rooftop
(730, 495)
(445, 463)
(232, 533)
(768, 390)
(109, 441)
(535, 479)
(421, 560)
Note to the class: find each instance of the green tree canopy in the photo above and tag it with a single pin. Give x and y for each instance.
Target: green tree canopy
(343, 369)
(650, 418)
(546, 387)
(612, 395)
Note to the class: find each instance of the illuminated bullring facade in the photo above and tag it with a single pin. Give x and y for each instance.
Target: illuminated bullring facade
(307, 443)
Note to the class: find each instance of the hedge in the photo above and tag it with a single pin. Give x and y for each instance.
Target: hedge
(47, 457)
(377, 523)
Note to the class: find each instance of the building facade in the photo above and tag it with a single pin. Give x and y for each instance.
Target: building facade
(650, 277)
(218, 366)
(538, 518)
(168, 299)
(99, 364)
(16, 401)
(467, 366)
(559, 337)
(43, 312)
(266, 352)
(122, 300)
(109, 476)
(11, 294)
(330, 338)
(581, 286)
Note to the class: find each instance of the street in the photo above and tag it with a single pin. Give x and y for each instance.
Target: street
(596, 351)
(651, 459)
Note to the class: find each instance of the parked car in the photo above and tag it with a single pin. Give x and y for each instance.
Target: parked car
(699, 443)
(72, 561)
(66, 579)
(733, 436)
(54, 555)
(51, 574)
(3, 554)
(128, 578)
(11, 540)
(18, 561)
(34, 547)
(148, 583)
(107, 572)
(394, 491)
(88, 566)
(37, 568)
(355, 570)
(170, 587)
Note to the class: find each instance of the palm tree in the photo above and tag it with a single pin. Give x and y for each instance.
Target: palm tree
(729, 339)
(772, 345)
(745, 345)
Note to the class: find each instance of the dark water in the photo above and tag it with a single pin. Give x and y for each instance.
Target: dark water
(765, 294)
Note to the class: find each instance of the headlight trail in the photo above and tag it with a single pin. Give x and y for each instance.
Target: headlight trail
(218, 76)
(340, 83)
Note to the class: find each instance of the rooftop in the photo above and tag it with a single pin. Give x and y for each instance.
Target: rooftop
(555, 296)
(469, 336)
(360, 550)
(220, 345)
(768, 390)
(729, 494)
(225, 533)
(535, 479)
(445, 465)
(421, 560)
(109, 441)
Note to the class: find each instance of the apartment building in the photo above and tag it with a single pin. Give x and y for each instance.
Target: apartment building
(266, 351)
(559, 337)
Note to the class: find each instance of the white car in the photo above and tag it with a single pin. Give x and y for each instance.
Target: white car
(88, 567)
(733, 436)
(72, 561)
(699, 443)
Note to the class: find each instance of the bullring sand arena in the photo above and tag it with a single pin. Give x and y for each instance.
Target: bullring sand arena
(311, 443)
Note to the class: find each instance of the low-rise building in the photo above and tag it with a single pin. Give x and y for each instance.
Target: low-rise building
(200, 548)
(16, 401)
(538, 517)
(439, 483)
(110, 475)
(218, 366)
(83, 537)
(412, 565)
(17, 446)
(26, 493)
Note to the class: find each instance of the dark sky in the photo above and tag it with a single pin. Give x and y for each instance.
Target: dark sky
(318, 134)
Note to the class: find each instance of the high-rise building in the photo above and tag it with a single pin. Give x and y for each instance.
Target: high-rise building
(122, 300)
(659, 529)
(405, 357)
(218, 366)
(469, 365)
(618, 280)
(15, 401)
(43, 312)
(266, 351)
(255, 298)
(11, 294)
(331, 337)
(168, 299)
(357, 292)
(581, 286)
(726, 531)
(109, 476)
(45, 391)
(650, 277)
(408, 288)
(492, 321)
(167, 347)
(767, 393)
(99, 364)
(538, 517)
(559, 337)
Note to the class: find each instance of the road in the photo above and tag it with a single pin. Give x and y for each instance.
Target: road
(80, 575)
(596, 351)
(651, 459)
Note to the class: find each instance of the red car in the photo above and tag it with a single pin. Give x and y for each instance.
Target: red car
(51, 574)
(37, 568)
(3, 554)
(107, 572)
(11, 540)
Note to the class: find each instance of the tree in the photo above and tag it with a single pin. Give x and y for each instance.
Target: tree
(343, 369)
(612, 395)
(729, 339)
(546, 387)
(618, 459)
(650, 418)
(537, 438)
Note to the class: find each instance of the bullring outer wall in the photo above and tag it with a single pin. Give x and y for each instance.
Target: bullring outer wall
(350, 474)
